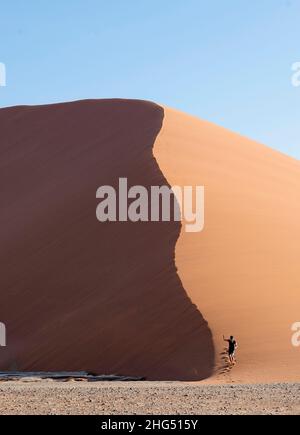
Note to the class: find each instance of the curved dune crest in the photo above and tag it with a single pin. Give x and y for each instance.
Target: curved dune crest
(242, 271)
(76, 294)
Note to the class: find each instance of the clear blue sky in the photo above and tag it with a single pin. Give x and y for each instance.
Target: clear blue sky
(225, 61)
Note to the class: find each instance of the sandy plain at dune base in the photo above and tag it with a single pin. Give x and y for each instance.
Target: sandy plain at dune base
(145, 398)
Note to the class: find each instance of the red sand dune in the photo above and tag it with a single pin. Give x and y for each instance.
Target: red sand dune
(76, 294)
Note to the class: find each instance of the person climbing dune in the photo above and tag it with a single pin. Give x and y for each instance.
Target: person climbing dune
(232, 346)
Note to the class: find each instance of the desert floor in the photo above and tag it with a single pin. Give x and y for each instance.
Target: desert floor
(50, 397)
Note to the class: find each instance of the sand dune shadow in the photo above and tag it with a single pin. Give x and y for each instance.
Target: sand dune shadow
(76, 294)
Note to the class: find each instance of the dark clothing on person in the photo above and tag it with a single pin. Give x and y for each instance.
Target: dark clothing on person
(232, 344)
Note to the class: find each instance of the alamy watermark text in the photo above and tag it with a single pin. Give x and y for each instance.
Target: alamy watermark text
(2, 335)
(2, 74)
(154, 204)
(296, 74)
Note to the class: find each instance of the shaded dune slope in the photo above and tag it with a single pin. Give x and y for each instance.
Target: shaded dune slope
(243, 269)
(76, 294)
